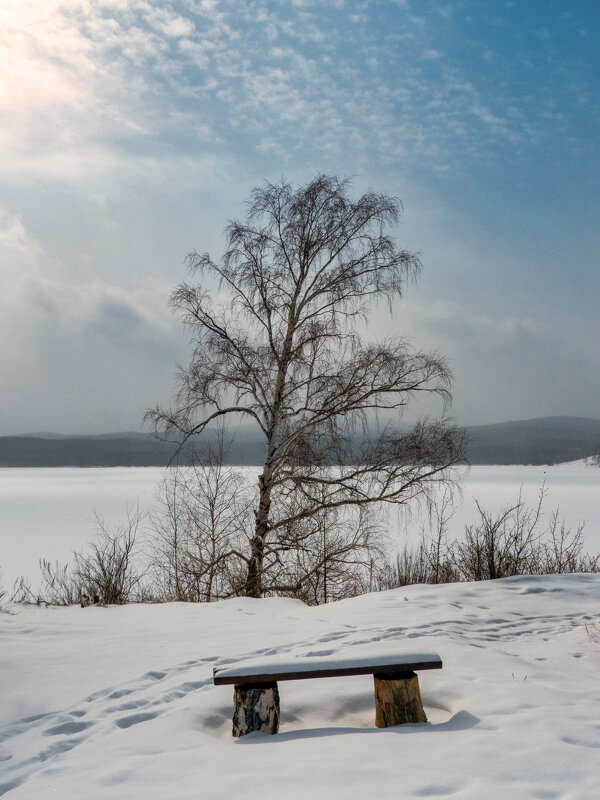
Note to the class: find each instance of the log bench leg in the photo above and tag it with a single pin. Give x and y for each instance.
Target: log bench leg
(397, 699)
(255, 708)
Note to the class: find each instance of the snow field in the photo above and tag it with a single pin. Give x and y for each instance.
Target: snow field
(119, 702)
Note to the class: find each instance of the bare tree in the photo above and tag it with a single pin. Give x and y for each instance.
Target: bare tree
(279, 347)
(200, 526)
(165, 541)
(435, 551)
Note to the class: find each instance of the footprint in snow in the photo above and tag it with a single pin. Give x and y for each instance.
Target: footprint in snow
(129, 706)
(317, 653)
(58, 748)
(68, 728)
(135, 719)
(10, 785)
(435, 790)
(581, 742)
(113, 695)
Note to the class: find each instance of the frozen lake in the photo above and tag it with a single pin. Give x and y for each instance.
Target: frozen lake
(46, 513)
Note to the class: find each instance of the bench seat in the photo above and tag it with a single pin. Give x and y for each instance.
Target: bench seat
(269, 670)
(256, 696)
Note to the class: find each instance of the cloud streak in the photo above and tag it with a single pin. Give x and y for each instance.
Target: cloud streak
(114, 78)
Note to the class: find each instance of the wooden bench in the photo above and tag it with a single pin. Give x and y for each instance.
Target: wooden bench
(256, 695)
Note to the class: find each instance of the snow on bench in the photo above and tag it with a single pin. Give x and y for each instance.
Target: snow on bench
(256, 695)
(265, 671)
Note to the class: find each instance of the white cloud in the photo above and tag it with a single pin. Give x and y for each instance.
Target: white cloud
(495, 122)
(93, 85)
(431, 54)
(13, 237)
(66, 345)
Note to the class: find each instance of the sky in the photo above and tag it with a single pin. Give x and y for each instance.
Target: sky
(131, 131)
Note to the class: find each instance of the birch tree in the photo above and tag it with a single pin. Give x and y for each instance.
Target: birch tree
(279, 345)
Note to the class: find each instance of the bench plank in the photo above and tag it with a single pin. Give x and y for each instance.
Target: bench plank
(300, 669)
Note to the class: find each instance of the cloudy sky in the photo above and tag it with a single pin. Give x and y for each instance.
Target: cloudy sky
(132, 130)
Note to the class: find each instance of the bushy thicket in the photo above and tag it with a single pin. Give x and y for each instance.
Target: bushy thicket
(197, 533)
(200, 543)
(108, 572)
(194, 544)
(514, 541)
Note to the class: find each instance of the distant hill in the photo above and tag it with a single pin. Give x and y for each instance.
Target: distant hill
(129, 449)
(84, 451)
(546, 440)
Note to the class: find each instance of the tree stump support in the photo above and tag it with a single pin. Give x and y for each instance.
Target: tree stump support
(255, 708)
(397, 699)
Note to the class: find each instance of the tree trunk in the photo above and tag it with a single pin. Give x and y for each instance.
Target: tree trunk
(397, 699)
(265, 482)
(254, 575)
(253, 586)
(255, 708)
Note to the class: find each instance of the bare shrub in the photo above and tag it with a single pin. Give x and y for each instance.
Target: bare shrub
(23, 593)
(107, 573)
(60, 586)
(562, 552)
(431, 561)
(501, 545)
(200, 529)
(410, 566)
(328, 557)
(514, 542)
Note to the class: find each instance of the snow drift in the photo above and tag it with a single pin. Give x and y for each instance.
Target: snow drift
(119, 702)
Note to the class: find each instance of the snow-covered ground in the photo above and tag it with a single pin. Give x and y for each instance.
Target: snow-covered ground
(115, 702)
(48, 513)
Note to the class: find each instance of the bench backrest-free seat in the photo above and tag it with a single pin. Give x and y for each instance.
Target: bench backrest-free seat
(301, 669)
(256, 695)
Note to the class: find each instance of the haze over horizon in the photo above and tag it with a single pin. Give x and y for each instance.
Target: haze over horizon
(248, 430)
(134, 129)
